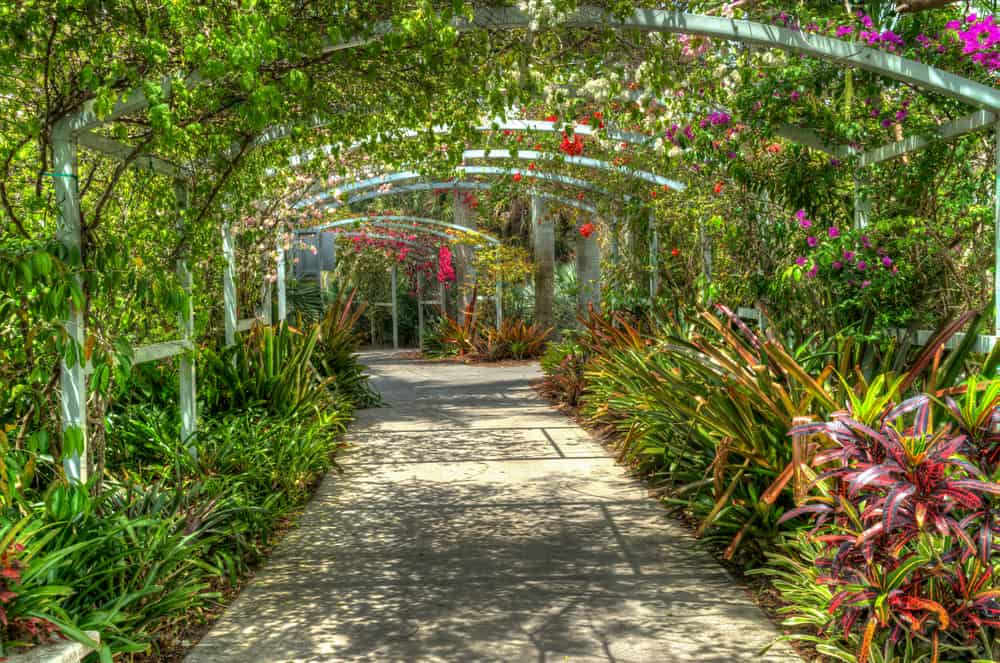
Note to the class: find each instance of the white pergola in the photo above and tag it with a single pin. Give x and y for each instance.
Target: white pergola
(77, 129)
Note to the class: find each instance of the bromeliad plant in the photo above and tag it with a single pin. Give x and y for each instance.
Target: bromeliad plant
(905, 522)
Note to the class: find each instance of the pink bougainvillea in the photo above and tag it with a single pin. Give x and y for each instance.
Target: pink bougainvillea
(446, 273)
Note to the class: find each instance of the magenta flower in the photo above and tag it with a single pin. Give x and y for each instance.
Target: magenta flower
(801, 261)
(833, 232)
(887, 261)
(865, 284)
(848, 256)
(812, 272)
(812, 241)
(837, 264)
(844, 30)
(862, 265)
(794, 96)
(800, 215)
(866, 242)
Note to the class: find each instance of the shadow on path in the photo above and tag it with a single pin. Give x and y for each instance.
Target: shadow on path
(474, 523)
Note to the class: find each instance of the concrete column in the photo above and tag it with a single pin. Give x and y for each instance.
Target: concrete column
(544, 234)
(654, 257)
(588, 273)
(420, 312)
(862, 206)
(996, 234)
(395, 311)
(73, 381)
(185, 321)
(465, 270)
(279, 272)
(229, 284)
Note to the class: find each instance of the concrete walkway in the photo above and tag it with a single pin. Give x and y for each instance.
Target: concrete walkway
(475, 523)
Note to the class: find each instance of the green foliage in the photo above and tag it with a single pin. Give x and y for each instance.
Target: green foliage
(336, 352)
(269, 367)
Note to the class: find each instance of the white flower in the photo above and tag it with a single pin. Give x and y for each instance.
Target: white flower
(675, 152)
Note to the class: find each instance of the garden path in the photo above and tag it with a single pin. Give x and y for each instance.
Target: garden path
(472, 522)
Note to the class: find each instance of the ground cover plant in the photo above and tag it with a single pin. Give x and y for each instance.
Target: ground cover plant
(141, 552)
(754, 437)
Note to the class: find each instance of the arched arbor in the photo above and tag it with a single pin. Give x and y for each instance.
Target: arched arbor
(77, 128)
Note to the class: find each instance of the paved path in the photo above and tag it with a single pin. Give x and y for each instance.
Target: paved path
(475, 523)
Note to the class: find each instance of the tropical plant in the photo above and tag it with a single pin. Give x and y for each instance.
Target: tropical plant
(336, 351)
(269, 367)
(903, 519)
(515, 339)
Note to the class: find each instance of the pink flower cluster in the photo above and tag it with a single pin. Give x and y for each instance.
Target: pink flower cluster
(446, 272)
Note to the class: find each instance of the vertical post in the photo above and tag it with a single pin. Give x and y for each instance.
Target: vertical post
(395, 313)
(279, 271)
(996, 234)
(654, 257)
(267, 302)
(544, 234)
(73, 399)
(614, 248)
(706, 259)
(499, 290)
(420, 312)
(465, 268)
(862, 206)
(588, 273)
(185, 320)
(229, 284)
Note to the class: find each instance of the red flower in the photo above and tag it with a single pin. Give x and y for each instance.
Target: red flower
(538, 146)
(774, 148)
(531, 166)
(551, 118)
(517, 177)
(579, 196)
(675, 252)
(586, 230)
(652, 193)
(507, 132)
(718, 188)
(572, 147)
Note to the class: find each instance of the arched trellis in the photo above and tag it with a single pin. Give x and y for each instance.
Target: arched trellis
(463, 186)
(76, 128)
(347, 228)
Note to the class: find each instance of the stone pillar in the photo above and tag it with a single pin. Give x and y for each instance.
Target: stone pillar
(588, 272)
(544, 233)
(465, 269)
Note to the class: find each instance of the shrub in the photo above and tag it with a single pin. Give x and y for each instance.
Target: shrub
(904, 530)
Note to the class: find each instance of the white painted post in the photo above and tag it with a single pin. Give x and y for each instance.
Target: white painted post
(185, 321)
(267, 302)
(654, 257)
(279, 270)
(229, 284)
(499, 298)
(614, 248)
(996, 235)
(420, 313)
(862, 206)
(395, 313)
(73, 381)
(706, 259)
